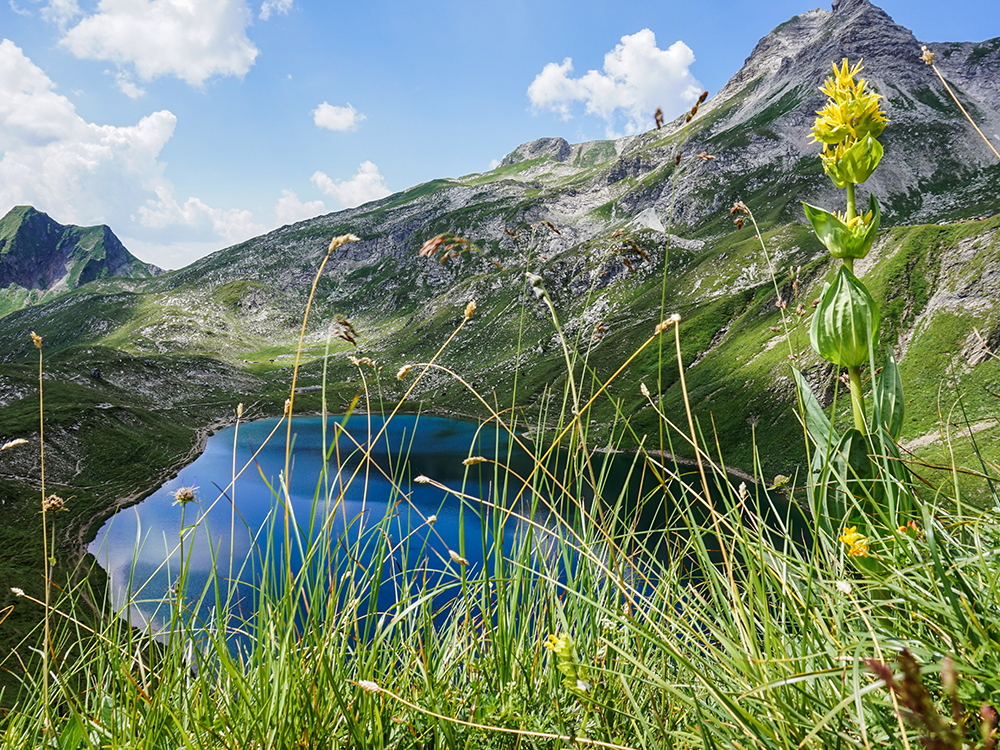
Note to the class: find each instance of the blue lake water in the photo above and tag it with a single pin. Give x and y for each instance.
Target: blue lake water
(419, 525)
(138, 547)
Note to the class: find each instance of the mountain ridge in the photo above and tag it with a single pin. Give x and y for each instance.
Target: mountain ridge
(41, 258)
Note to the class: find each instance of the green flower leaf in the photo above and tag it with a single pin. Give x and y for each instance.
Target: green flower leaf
(845, 240)
(845, 322)
(856, 164)
(889, 398)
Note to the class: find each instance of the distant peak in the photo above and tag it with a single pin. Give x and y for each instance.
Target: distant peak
(846, 6)
(554, 148)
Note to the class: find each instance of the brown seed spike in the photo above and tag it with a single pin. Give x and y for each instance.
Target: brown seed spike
(431, 246)
(677, 160)
(703, 97)
(659, 118)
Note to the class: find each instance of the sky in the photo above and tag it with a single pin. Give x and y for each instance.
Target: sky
(191, 125)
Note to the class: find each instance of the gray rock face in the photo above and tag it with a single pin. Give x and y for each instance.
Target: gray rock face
(554, 148)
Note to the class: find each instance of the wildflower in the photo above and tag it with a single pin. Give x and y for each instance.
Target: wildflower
(844, 587)
(13, 443)
(403, 372)
(858, 544)
(473, 460)
(457, 558)
(53, 503)
(556, 643)
(16, 591)
(849, 123)
(843, 237)
(183, 495)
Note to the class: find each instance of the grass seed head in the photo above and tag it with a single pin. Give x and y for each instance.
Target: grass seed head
(53, 503)
(13, 443)
(403, 372)
(36, 339)
(470, 308)
(184, 495)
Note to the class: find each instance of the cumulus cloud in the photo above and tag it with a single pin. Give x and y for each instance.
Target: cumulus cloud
(367, 185)
(337, 118)
(638, 77)
(154, 38)
(232, 225)
(84, 173)
(289, 209)
(53, 158)
(275, 6)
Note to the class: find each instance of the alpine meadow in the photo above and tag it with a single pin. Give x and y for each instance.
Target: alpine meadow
(734, 388)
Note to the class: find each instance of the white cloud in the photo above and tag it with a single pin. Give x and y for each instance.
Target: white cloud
(232, 225)
(55, 160)
(84, 173)
(191, 40)
(127, 85)
(61, 12)
(289, 209)
(337, 118)
(367, 185)
(275, 6)
(638, 78)
(17, 9)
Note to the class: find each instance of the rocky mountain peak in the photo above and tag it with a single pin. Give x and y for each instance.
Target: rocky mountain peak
(557, 149)
(40, 258)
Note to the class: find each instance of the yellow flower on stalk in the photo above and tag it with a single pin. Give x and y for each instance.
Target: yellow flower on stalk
(851, 112)
(858, 544)
(848, 125)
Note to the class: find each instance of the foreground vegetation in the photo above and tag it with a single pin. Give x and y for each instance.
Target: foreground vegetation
(853, 606)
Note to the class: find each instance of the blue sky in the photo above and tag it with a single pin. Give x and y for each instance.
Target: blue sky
(189, 125)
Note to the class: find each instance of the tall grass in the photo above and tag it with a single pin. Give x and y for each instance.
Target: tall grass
(741, 618)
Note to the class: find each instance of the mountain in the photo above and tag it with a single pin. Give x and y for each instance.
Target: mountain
(40, 258)
(620, 233)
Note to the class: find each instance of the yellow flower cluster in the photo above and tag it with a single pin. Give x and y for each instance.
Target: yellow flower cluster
(858, 544)
(851, 114)
(848, 125)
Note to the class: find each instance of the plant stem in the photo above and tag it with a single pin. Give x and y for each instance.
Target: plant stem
(852, 211)
(857, 398)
